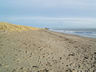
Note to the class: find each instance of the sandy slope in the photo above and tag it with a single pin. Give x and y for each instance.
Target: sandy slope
(46, 51)
(12, 27)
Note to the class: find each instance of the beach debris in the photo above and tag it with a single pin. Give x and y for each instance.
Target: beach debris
(0, 65)
(68, 70)
(45, 70)
(14, 70)
(60, 58)
(94, 52)
(71, 54)
(86, 57)
(35, 66)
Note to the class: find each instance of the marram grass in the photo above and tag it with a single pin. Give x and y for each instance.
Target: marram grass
(13, 27)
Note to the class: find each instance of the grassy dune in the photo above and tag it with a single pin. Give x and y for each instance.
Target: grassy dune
(13, 27)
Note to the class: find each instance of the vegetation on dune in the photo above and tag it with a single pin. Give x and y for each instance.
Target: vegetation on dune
(13, 27)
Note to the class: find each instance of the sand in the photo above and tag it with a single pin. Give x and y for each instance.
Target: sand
(46, 51)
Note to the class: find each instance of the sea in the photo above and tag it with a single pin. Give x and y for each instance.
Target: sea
(91, 33)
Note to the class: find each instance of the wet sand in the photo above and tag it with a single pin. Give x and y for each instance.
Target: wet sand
(46, 51)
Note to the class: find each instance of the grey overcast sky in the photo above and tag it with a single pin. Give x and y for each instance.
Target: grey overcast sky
(49, 13)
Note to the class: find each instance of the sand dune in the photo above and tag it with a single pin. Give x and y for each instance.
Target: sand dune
(46, 51)
(13, 27)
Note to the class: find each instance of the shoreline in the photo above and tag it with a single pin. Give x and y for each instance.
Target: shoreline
(75, 34)
(72, 35)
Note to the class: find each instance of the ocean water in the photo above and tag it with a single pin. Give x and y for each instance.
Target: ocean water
(81, 32)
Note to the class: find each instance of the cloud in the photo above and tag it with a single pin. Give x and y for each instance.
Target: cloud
(60, 8)
(80, 20)
(52, 22)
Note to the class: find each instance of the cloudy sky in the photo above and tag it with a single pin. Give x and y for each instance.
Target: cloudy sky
(49, 13)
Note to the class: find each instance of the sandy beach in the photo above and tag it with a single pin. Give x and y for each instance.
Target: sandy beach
(47, 35)
(46, 51)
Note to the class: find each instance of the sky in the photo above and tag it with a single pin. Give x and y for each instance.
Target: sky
(49, 13)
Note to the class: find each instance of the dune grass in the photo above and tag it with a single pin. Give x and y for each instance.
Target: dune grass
(13, 27)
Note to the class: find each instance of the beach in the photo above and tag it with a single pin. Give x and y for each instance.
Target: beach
(46, 51)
